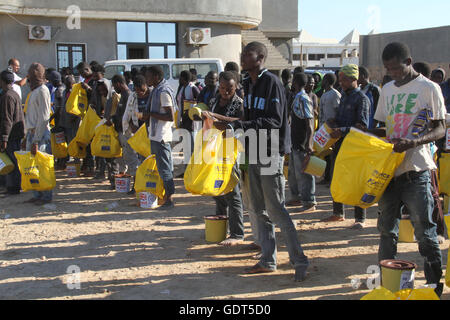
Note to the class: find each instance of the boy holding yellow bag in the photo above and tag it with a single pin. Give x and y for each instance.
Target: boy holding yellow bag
(413, 109)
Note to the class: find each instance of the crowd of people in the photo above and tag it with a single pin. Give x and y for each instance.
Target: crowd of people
(296, 105)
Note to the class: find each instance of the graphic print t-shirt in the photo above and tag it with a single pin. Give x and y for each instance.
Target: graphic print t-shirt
(403, 107)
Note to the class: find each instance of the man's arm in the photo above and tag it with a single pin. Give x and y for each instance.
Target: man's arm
(436, 132)
(274, 112)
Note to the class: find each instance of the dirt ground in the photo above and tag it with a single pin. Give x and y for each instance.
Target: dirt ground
(134, 253)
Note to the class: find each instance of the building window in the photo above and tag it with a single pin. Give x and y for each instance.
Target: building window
(316, 57)
(69, 55)
(146, 40)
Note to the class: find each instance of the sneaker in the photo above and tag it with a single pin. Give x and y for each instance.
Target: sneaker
(132, 192)
(333, 218)
(358, 226)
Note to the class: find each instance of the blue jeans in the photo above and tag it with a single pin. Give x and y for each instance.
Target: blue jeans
(413, 189)
(44, 146)
(267, 199)
(231, 203)
(13, 179)
(301, 185)
(163, 153)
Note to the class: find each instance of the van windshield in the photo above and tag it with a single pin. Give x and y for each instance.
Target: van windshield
(202, 69)
(164, 67)
(111, 71)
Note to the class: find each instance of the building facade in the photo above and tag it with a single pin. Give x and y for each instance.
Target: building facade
(103, 30)
(427, 45)
(106, 30)
(316, 53)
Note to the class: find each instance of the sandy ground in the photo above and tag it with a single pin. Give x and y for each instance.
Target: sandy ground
(134, 253)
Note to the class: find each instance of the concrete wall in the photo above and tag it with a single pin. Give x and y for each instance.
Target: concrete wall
(426, 45)
(246, 13)
(280, 15)
(226, 42)
(98, 35)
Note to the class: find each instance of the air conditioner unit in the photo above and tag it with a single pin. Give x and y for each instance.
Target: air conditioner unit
(199, 36)
(39, 32)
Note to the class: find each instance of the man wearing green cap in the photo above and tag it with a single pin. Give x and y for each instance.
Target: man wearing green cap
(353, 110)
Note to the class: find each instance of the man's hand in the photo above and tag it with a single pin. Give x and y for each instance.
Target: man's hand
(361, 127)
(402, 145)
(108, 123)
(3, 146)
(221, 125)
(85, 86)
(34, 149)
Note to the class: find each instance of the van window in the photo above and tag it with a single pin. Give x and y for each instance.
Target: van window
(111, 71)
(165, 68)
(202, 69)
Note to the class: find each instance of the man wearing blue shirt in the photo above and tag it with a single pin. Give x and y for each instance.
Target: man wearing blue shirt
(354, 109)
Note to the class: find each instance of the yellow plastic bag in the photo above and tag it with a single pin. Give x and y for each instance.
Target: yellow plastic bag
(78, 101)
(140, 142)
(381, 293)
(364, 168)
(447, 273)
(444, 174)
(6, 165)
(77, 150)
(87, 127)
(148, 179)
(106, 142)
(59, 145)
(38, 172)
(210, 169)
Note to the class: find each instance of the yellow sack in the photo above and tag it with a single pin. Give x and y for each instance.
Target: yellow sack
(106, 142)
(364, 168)
(447, 273)
(381, 293)
(87, 127)
(77, 150)
(38, 172)
(6, 165)
(210, 169)
(444, 174)
(148, 179)
(140, 142)
(78, 101)
(59, 145)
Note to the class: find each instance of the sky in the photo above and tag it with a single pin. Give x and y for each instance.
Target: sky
(335, 19)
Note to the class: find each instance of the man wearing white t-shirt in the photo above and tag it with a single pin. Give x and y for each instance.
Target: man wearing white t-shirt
(14, 66)
(412, 107)
(161, 109)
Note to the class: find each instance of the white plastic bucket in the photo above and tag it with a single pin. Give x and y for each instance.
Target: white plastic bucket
(148, 200)
(123, 183)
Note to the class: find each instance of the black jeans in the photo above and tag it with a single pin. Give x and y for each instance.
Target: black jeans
(13, 179)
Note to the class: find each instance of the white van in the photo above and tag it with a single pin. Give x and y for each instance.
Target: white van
(171, 67)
